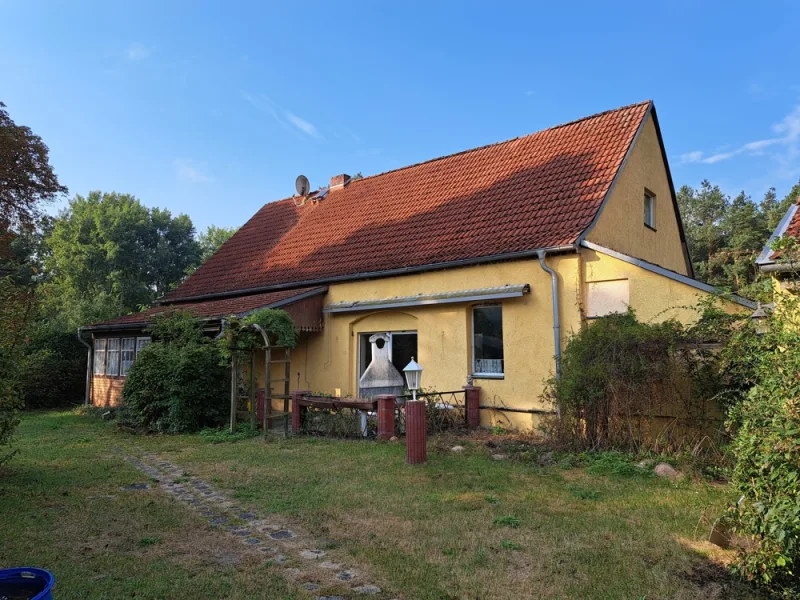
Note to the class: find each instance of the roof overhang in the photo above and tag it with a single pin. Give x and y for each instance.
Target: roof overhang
(647, 266)
(474, 295)
(304, 315)
(453, 264)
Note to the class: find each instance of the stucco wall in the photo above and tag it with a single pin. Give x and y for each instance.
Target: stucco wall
(327, 362)
(654, 297)
(621, 223)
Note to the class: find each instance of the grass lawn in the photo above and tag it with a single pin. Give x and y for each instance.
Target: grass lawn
(461, 526)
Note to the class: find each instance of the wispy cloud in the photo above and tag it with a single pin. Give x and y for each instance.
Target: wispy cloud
(283, 117)
(189, 171)
(690, 157)
(302, 125)
(137, 51)
(785, 145)
(530, 93)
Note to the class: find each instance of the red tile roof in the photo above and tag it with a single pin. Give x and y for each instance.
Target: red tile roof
(793, 229)
(216, 308)
(538, 191)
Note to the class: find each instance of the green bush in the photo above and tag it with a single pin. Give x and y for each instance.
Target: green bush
(53, 369)
(179, 382)
(766, 448)
(618, 375)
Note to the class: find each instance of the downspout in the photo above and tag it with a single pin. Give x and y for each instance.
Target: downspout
(556, 317)
(89, 357)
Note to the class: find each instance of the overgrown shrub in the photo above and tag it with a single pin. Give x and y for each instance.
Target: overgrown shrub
(53, 369)
(276, 323)
(179, 383)
(766, 449)
(626, 384)
(16, 305)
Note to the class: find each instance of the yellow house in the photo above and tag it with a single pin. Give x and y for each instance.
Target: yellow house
(478, 264)
(782, 264)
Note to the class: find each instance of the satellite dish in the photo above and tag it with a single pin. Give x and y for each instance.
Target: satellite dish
(302, 186)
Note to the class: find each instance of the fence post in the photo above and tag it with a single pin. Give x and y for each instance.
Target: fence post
(297, 415)
(472, 395)
(416, 434)
(385, 416)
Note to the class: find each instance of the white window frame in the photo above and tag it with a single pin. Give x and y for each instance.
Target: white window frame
(649, 200)
(112, 368)
(123, 367)
(141, 343)
(99, 350)
(475, 372)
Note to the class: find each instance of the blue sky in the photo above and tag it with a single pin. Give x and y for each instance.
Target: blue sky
(213, 108)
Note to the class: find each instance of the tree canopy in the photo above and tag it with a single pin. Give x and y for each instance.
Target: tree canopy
(726, 235)
(27, 180)
(212, 239)
(109, 248)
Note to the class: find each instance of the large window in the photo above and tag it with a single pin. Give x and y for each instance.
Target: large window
(100, 357)
(127, 354)
(114, 356)
(487, 341)
(141, 343)
(402, 346)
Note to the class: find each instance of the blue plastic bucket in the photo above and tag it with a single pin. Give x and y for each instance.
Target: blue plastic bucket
(26, 583)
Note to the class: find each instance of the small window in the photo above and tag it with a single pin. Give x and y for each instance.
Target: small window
(487, 341)
(649, 209)
(141, 344)
(112, 357)
(127, 354)
(100, 357)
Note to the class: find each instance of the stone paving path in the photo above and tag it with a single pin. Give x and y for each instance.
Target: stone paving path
(296, 554)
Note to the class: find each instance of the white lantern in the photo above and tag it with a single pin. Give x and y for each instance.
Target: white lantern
(413, 374)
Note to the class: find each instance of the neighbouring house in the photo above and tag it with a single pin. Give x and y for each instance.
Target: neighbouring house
(478, 264)
(783, 264)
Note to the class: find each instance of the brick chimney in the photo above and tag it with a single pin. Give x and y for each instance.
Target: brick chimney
(339, 181)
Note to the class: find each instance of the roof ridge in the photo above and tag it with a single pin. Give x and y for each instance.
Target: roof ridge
(514, 139)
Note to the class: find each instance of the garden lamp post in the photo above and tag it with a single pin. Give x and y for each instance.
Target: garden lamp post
(761, 319)
(416, 434)
(413, 374)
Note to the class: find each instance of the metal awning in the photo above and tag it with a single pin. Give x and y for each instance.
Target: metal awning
(476, 295)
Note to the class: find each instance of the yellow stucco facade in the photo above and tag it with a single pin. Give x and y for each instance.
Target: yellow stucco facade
(620, 226)
(327, 362)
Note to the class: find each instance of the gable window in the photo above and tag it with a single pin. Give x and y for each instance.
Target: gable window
(112, 356)
(487, 341)
(649, 209)
(100, 357)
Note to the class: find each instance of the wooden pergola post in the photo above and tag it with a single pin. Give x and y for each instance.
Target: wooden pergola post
(252, 389)
(234, 388)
